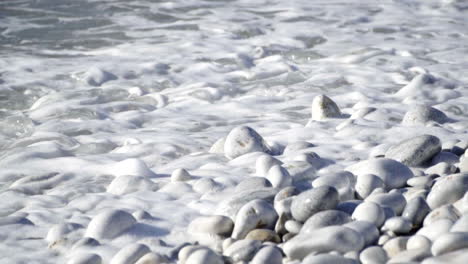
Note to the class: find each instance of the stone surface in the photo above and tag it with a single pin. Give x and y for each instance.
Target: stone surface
(366, 184)
(421, 114)
(370, 212)
(449, 242)
(263, 235)
(419, 242)
(367, 230)
(325, 218)
(264, 163)
(214, 224)
(109, 224)
(312, 201)
(461, 225)
(180, 175)
(373, 255)
(455, 257)
(327, 259)
(398, 225)
(395, 246)
(448, 190)
(416, 210)
(436, 229)
(268, 254)
(394, 200)
(252, 183)
(447, 211)
(393, 173)
(279, 177)
(243, 250)
(415, 151)
(242, 140)
(130, 254)
(85, 258)
(129, 183)
(203, 256)
(254, 214)
(323, 107)
(230, 206)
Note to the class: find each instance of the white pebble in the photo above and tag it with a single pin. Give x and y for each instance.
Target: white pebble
(243, 250)
(398, 225)
(436, 229)
(448, 190)
(415, 151)
(130, 254)
(327, 259)
(446, 211)
(371, 212)
(268, 254)
(421, 114)
(203, 256)
(367, 230)
(394, 200)
(373, 255)
(264, 163)
(325, 218)
(242, 140)
(180, 175)
(449, 242)
(130, 183)
(109, 224)
(214, 224)
(252, 215)
(279, 177)
(366, 184)
(419, 242)
(323, 107)
(312, 201)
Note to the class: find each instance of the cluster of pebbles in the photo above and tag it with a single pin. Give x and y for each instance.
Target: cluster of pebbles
(407, 205)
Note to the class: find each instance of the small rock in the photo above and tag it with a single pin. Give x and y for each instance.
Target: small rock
(398, 225)
(254, 214)
(85, 258)
(215, 224)
(415, 151)
(203, 256)
(230, 207)
(394, 200)
(293, 226)
(419, 242)
(373, 255)
(445, 211)
(327, 258)
(180, 175)
(109, 224)
(371, 212)
(416, 210)
(441, 168)
(186, 251)
(449, 242)
(263, 235)
(323, 107)
(366, 184)
(242, 140)
(395, 246)
(436, 229)
(342, 181)
(325, 218)
(448, 190)
(367, 230)
(264, 163)
(243, 250)
(421, 114)
(410, 256)
(296, 147)
(279, 177)
(393, 173)
(130, 254)
(268, 254)
(152, 258)
(312, 201)
(129, 183)
(421, 181)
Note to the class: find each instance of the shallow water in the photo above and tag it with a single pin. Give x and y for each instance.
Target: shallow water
(86, 84)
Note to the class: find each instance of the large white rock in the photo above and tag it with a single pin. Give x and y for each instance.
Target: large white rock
(323, 107)
(242, 140)
(393, 173)
(448, 190)
(109, 224)
(254, 214)
(447, 211)
(436, 229)
(415, 151)
(327, 239)
(416, 210)
(264, 163)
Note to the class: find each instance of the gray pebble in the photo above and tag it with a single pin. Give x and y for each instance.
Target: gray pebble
(421, 114)
(366, 184)
(325, 218)
(415, 151)
(441, 168)
(312, 201)
(368, 231)
(394, 200)
(398, 225)
(373, 255)
(254, 214)
(242, 140)
(348, 206)
(447, 190)
(268, 254)
(416, 210)
(323, 107)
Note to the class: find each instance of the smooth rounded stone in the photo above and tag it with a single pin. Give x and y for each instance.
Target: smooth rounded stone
(242, 140)
(203, 256)
(448, 190)
(373, 255)
(415, 151)
(263, 235)
(312, 201)
(312, 158)
(227, 242)
(206, 185)
(418, 242)
(59, 231)
(325, 218)
(455, 257)
(230, 207)
(436, 229)
(152, 258)
(109, 224)
(243, 250)
(342, 181)
(394, 200)
(214, 224)
(348, 206)
(218, 146)
(129, 183)
(253, 183)
(368, 231)
(130, 254)
(449, 242)
(286, 192)
(441, 168)
(295, 147)
(280, 226)
(254, 214)
(395, 246)
(283, 207)
(288, 237)
(185, 252)
(279, 177)
(421, 114)
(370, 212)
(383, 239)
(268, 254)
(463, 165)
(84, 242)
(180, 175)
(301, 170)
(327, 259)
(323, 107)
(461, 225)
(416, 210)
(393, 173)
(366, 184)
(135, 167)
(410, 256)
(421, 181)
(445, 211)
(264, 163)
(445, 156)
(85, 258)
(326, 239)
(398, 225)
(293, 226)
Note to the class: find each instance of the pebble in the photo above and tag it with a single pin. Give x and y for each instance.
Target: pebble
(130, 254)
(422, 181)
(180, 175)
(254, 214)
(448, 190)
(446, 211)
(410, 256)
(368, 231)
(152, 258)
(463, 165)
(461, 225)
(252, 183)
(293, 226)
(243, 250)
(348, 206)
(436, 229)
(109, 224)
(242, 140)
(133, 166)
(415, 151)
(129, 183)
(327, 259)
(264, 163)
(442, 168)
(393, 173)
(421, 114)
(455, 257)
(206, 185)
(203, 256)
(263, 235)
(394, 200)
(325, 218)
(218, 146)
(416, 210)
(230, 206)
(366, 184)
(373, 255)
(279, 177)
(312, 201)
(85, 258)
(214, 224)
(370, 212)
(327, 239)
(419, 242)
(323, 107)
(445, 156)
(398, 225)
(449, 242)
(296, 147)
(301, 170)
(395, 246)
(186, 251)
(268, 254)
(342, 181)
(59, 232)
